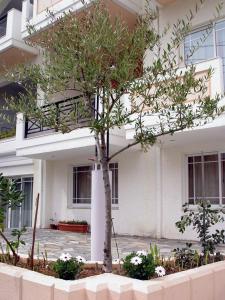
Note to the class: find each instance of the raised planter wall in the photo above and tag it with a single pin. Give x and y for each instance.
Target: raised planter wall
(207, 282)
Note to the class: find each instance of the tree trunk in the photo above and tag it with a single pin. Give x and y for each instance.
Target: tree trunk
(16, 257)
(34, 234)
(103, 158)
(108, 218)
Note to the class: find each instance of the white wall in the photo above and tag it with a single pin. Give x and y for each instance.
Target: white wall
(14, 166)
(136, 213)
(137, 193)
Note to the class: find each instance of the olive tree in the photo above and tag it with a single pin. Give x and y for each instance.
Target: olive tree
(93, 53)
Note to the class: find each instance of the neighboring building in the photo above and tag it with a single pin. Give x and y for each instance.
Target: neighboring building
(148, 189)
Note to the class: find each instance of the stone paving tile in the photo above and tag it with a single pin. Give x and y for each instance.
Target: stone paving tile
(55, 242)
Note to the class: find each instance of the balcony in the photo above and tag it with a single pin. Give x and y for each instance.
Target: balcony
(13, 50)
(127, 9)
(62, 110)
(215, 85)
(34, 139)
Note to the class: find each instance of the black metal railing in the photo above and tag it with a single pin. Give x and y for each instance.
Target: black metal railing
(3, 25)
(62, 114)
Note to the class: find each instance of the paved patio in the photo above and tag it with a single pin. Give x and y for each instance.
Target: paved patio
(55, 242)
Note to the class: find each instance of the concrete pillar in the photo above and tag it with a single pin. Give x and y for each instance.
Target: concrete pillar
(97, 215)
(158, 187)
(39, 187)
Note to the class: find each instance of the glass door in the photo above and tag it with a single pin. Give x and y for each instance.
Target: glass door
(26, 208)
(22, 215)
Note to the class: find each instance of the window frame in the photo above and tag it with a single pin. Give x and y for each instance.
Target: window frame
(200, 28)
(218, 153)
(76, 167)
(71, 204)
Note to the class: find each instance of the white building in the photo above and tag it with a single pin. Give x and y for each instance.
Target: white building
(150, 188)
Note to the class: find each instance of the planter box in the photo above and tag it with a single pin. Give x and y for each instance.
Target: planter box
(73, 227)
(207, 282)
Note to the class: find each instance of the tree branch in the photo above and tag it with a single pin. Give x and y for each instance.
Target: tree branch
(138, 142)
(15, 255)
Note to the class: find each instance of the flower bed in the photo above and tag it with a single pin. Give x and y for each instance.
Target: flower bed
(206, 282)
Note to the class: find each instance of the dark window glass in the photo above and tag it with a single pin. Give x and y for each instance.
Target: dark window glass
(82, 184)
(203, 179)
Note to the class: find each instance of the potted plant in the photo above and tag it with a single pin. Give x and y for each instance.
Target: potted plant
(74, 226)
(53, 225)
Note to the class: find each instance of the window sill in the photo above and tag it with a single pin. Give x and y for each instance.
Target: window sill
(87, 206)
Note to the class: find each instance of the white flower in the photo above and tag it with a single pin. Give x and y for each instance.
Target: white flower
(65, 257)
(80, 259)
(141, 252)
(160, 271)
(136, 260)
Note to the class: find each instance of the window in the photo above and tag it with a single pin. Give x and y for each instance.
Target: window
(114, 169)
(206, 43)
(82, 184)
(206, 175)
(199, 46)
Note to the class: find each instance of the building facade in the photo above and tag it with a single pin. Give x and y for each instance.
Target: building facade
(148, 188)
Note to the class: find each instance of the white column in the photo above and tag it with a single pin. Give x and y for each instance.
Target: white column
(39, 187)
(13, 30)
(27, 13)
(97, 216)
(20, 129)
(159, 184)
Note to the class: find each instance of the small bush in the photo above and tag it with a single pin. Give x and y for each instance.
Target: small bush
(67, 267)
(139, 265)
(202, 220)
(186, 257)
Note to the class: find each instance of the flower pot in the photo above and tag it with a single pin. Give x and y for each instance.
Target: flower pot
(54, 226)
(73, 227)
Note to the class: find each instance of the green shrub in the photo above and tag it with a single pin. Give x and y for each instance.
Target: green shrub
(139, 265)
(67, 267)
(202, 220)
(186, 257)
